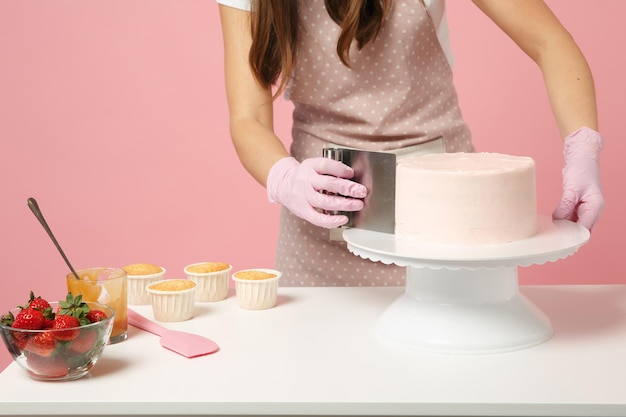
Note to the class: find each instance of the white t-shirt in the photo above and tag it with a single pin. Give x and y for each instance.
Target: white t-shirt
(436, 9)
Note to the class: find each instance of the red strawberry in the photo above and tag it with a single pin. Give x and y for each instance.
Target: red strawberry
(42, 344)
(96, 315)
(47, 366)
(30, 319)
(20, 339)
(66, 322)
(75, 307)
(85, 342)
(37, 303)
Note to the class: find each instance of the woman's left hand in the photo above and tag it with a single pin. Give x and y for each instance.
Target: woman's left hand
(582, 199)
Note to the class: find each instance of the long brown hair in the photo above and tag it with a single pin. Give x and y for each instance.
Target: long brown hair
(274, 25)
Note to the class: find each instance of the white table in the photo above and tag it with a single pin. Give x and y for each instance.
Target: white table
(316, 354)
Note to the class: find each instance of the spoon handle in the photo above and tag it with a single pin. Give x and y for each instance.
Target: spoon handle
(34, 207)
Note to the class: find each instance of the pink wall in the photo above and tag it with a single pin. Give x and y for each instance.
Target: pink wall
(113, 115)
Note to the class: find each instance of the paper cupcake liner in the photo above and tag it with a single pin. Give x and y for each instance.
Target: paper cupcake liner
(177, 305)
(211, 286)
(137, 287)
(257, 294)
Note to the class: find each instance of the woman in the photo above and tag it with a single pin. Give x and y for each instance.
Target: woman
(376, 75)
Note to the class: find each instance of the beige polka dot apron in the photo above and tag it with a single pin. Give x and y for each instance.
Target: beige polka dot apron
(398, 93)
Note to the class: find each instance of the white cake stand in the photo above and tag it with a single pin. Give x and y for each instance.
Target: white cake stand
(465, 299)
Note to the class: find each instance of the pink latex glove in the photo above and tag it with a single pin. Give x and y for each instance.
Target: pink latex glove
(582, 199)
(301, 187)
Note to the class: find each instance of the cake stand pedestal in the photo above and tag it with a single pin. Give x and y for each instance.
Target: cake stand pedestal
(465, 299)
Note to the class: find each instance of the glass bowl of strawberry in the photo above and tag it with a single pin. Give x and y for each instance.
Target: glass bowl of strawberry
(57, 341)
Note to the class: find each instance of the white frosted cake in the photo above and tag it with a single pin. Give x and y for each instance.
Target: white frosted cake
(466, 198)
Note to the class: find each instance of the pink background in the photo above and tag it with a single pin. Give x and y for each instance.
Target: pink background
(113, 116)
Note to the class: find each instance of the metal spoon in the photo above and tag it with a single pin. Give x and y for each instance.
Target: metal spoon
(34, 207)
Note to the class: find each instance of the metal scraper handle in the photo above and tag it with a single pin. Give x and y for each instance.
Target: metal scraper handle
(338, 154)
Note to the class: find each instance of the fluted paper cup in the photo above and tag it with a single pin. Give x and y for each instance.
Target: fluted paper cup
(257, 289)
(172, 299)
(212, 280)
(139, 276)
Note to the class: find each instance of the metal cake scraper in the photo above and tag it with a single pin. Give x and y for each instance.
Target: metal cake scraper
(377, 171)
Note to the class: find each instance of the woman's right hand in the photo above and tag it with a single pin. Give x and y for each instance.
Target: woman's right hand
(313, 187)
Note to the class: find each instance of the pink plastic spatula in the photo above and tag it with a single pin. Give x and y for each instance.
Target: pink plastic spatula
(186, 344)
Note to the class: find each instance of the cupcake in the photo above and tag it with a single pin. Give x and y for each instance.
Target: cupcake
(256, 289)
(212, 280)
(172, 299)
(139, 276)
